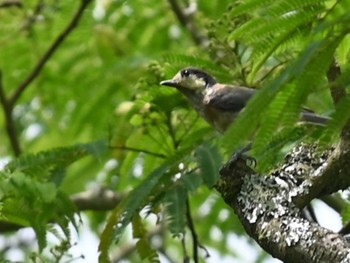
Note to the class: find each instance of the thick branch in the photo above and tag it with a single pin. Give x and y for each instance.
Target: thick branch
(47, 55)
(102, 200)
(337, 173)
(11, 3)
(269, 207)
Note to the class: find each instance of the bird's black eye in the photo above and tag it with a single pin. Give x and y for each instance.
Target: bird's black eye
(186, 73)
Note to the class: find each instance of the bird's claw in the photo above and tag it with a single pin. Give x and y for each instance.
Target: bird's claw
(239, 155)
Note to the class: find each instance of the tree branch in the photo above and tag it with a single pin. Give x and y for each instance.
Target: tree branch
(193, 232)
(9, 121)
(132, 149)
(196, 243)
(9, 103)
(11, 3)
(47, 55)
(185, 18)
(269, 206)
(102, 200)
(32, 18)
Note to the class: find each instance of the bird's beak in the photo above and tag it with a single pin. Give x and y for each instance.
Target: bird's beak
(170, 83)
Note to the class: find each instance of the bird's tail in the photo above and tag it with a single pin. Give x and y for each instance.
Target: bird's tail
(314, 119)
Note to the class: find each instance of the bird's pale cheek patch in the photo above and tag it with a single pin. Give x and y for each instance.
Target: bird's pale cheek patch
(194, 83)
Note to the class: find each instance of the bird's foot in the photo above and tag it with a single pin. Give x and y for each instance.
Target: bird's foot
(236, 156)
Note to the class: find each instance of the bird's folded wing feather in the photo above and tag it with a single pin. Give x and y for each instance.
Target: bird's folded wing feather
(229, 98)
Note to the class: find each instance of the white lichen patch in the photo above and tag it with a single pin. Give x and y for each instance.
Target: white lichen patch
(265, 198)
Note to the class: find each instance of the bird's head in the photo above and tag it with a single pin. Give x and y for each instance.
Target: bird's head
(190, 79)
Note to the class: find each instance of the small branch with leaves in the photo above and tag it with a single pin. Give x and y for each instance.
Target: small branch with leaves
(8, 102)
(101, 200)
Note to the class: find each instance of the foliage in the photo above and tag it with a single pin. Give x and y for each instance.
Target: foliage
(311, 53)
(102, 83)
(30, 189)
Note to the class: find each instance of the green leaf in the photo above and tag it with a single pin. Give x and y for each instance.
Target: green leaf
(209, 161)
(146, 252)
(40, 232)
(345, 214)
(36, 204)
(271, 153)
(143, 245)
(305, 71)
(175, 202)
(121, 216)
(47, 162)
(191, 180)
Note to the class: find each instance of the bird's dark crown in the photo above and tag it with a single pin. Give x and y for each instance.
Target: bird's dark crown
(190, 80)
(200, 74)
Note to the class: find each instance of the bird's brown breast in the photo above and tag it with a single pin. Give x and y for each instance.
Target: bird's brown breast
(219, 119)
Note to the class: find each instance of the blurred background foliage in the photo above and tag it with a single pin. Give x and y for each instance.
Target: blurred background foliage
(99, 96)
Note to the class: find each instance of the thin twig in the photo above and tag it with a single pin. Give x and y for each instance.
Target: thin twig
(27, 26)
(187, 21)
(193, 232)
(159, 143)
(8, 103)
(124, 252)
(41, 63)
(132, 149)
(101, 200)
(172, 132)
(9, 121)
(184, 248)
(196, 243)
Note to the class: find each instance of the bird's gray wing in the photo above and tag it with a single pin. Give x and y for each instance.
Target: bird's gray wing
(229, 98)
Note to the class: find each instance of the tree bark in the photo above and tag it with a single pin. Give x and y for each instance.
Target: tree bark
(269, 206)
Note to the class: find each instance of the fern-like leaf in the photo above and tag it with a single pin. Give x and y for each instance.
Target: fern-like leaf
(209, 161)
(143, 245)
(122, 215)
(175, 200)
(29, 189)
(48, 163)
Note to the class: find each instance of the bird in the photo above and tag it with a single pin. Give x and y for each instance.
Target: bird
(220, 104)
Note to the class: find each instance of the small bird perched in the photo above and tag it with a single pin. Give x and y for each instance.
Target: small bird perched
(219, 104)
